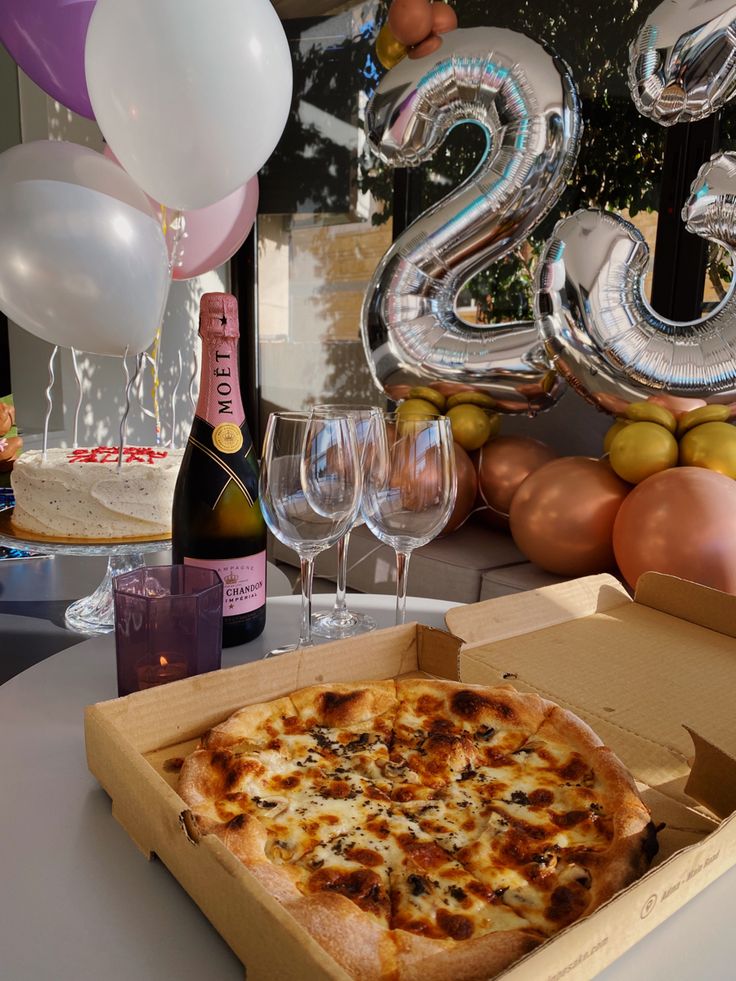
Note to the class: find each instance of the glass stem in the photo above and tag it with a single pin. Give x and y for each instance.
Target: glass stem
(402, 570)
(341, 607)
(305, 631)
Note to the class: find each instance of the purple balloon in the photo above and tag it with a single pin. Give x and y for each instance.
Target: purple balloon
(46, 38)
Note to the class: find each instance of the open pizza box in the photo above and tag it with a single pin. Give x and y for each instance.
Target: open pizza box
(653, 676)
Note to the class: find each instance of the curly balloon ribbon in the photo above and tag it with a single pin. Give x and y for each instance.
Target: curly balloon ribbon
(682, 65)
(193, 381)
(153, 360)
(599, 330)
(524, 98)
(78, 407)
(49, 403)
(130, 384)
(174, 392)
(178, 227)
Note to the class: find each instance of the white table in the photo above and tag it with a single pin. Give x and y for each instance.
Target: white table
(78, 901)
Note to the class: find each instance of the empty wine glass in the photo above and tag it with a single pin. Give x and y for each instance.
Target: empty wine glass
(341, 621)
(410, 488)
(310, 490)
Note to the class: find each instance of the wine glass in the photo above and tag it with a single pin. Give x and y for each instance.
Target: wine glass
(340, 621)
(310, 490)
(410, 488)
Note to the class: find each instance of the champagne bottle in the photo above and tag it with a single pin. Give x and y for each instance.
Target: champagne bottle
(217, 521)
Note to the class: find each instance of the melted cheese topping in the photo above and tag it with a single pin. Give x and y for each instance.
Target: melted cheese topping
(454, 819)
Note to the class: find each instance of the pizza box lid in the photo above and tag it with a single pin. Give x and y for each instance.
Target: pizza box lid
(654, 676)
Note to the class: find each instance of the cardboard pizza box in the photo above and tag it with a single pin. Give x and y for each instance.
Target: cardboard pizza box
(130, 739)
(653, 676)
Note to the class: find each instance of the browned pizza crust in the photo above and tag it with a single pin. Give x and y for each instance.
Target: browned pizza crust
(249, 725)
(630, 850)
(343, 705)
(321, 796)
(422, 959)
(359, 944)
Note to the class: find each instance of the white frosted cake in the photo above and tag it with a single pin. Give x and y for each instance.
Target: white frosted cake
(81, 494)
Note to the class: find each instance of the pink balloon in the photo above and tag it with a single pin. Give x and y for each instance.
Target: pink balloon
(211, 235)
(215, 233)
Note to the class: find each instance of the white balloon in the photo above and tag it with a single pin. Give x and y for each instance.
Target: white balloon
(192, 96)
(83, 260)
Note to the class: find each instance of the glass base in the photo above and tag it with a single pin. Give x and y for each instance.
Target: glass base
(280, 650)
(338, 626)
(95, 614)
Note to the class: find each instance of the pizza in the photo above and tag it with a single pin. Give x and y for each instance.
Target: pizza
(417, 828)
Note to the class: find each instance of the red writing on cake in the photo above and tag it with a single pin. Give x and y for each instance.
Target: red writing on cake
(110, 454)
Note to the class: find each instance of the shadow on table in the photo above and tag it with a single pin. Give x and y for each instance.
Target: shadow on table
(26, 640)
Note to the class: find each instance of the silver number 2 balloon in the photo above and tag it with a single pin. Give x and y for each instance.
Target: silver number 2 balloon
(601, 333)
(682, 65)
(525, 99)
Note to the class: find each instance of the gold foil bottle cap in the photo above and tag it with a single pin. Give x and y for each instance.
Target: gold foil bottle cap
(218, 315)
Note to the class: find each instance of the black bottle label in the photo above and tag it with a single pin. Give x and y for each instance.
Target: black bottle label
(216, 464)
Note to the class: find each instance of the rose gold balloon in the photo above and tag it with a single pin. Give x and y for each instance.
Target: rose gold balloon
(444, 18)
(410, 20)
(426, 47)
(503, 464)
(450, 388)
(467, 488)
(7, 418)
(611, 403)
(677, 406)
(398, 392)
(562, 515)
(13, 447)
(681, 522)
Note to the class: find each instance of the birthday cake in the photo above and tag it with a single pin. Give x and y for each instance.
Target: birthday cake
(83, 494)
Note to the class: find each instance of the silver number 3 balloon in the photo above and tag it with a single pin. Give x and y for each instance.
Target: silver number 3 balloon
(601, 333)
(599, 329)
(524, 98)
(682, 66)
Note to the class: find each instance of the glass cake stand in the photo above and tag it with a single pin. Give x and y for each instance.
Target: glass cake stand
(93, 614)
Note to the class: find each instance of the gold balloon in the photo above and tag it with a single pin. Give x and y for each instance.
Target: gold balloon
(389, 50)
(651, 412)
(711, 445)
(562, 516)
(641, 449)
(612, 432)
(697, 417)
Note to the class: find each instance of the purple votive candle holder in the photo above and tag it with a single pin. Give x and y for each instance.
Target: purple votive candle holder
(168, 625)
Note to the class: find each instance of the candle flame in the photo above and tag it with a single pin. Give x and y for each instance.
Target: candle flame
(162, 661)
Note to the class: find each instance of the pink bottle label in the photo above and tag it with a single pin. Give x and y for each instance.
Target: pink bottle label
(244, 581)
